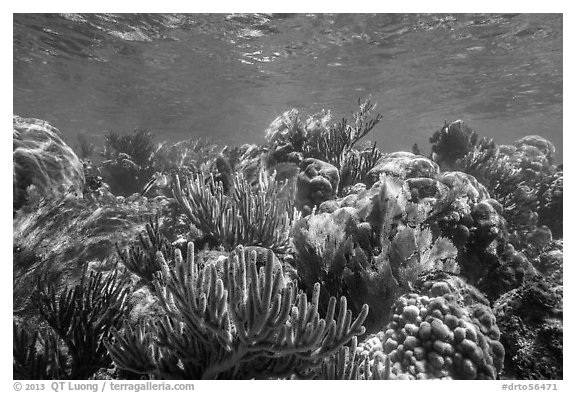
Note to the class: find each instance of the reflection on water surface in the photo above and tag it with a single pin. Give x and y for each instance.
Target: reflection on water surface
(228, 76)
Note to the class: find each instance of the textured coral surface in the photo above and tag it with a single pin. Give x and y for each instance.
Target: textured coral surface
(308, 256)
(42, 160)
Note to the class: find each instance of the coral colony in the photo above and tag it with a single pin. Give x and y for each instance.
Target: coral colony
(311, 256)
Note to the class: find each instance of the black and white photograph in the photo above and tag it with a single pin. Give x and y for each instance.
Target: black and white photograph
(287, 196)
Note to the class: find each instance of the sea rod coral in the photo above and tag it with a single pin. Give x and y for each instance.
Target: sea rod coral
(236, 323)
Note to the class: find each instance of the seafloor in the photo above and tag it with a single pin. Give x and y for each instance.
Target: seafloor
(313, 255)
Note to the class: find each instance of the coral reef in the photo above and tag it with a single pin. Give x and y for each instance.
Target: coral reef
(80, 319)
(248, 216)
(452, 265)
(435, 334)
(317, 182)
(403, 165)
(42, 162)
(62, 235)
(452, 142)
(523, 179)
(240, 323)
(530, 319)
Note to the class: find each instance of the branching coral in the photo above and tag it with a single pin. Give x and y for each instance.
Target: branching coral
(138, 145)
(36, 355)
(357, 362)
(193, 154)
(452, 142)
(129, 161)
(80, 318)
(290, 140)
(333, 144)
(61, 232)
(240, 324)
(141, 259)
(249, 216)
(356, 166)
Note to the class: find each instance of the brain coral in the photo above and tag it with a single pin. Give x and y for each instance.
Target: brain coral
(404, 165)
(442, 334)
(43, 160)
(316, 183)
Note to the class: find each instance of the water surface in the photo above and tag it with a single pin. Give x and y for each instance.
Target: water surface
(228, 76)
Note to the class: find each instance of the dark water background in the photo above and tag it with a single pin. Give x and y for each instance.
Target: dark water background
(228, 76)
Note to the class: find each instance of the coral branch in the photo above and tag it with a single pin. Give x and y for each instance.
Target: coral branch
(231, 319)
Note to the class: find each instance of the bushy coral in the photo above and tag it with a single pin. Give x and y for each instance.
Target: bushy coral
(128, 161)
(141, 259)
(290, 139)
(332, 144)
(65, 234)
(242, 324)
(356, 168)
(138, 145)
(259, 216)
(452, 142)
(435, 335)
(412, 253)
(192, 154)
(329, 250)
(42, 161)
(79, 319)
(401, 234)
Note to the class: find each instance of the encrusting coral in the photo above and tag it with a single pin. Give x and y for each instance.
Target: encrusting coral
(241, 323)
(530, 318)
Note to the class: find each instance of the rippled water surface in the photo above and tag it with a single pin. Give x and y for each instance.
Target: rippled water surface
(228, 76)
